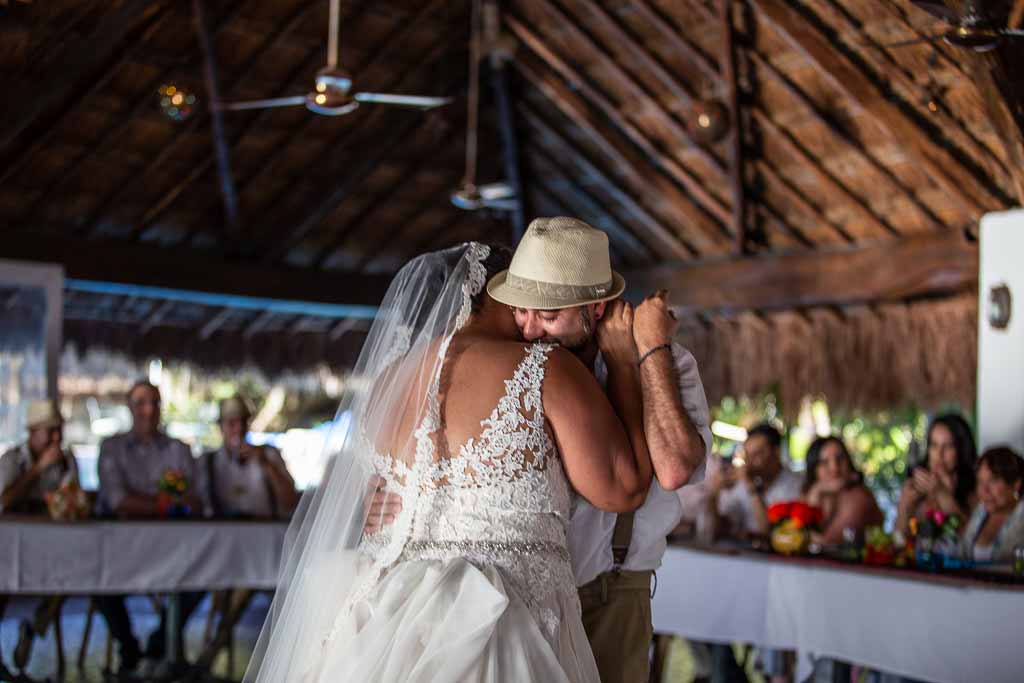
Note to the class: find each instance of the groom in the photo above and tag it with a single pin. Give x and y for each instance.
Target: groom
(560, 285)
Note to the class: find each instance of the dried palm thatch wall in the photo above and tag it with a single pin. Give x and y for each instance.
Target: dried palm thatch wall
(868, 358)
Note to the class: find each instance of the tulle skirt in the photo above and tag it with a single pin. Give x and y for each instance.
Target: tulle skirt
(448, 620)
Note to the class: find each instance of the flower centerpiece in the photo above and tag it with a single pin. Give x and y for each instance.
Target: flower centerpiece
(792, 522)
(881, 548)
(67, 503)
(937, 540)
(172, 487)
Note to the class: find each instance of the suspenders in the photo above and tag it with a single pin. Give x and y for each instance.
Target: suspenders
(621, 538)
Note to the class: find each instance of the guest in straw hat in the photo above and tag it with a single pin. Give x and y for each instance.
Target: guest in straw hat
(560, 285)
(27, 473)
(37, 466)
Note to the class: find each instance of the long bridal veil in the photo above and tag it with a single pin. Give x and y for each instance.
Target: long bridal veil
(397, 373)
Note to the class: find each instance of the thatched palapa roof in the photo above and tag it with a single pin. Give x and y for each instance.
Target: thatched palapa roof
(807, 186)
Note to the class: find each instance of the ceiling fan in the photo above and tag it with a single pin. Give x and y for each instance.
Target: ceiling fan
(333, 94)
(972, 29)
(500, 196)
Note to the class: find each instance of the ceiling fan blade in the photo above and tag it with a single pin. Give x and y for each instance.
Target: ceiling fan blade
(493, 191)
(264, 104)
(1011, 32)
(501, 204)
(937, 9)
(420, 102)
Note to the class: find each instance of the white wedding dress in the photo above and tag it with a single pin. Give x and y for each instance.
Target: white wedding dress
(472, 580)
(483, 589)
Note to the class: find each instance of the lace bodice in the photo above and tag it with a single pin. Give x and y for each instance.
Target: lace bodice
(502, 499)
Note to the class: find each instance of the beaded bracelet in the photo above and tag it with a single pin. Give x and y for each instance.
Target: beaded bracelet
(656, 348)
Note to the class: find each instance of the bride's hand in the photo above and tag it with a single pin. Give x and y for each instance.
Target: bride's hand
(615, 333)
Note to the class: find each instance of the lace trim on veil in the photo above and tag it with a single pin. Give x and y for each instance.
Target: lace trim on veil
(472, 285)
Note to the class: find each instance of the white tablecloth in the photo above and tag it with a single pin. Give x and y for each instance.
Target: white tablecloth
(929, 630)
(138, 557)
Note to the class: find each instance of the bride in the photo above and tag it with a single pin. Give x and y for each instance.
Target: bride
(480, 436)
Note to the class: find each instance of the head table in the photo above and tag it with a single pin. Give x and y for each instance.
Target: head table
(940, 628)
(93, 557)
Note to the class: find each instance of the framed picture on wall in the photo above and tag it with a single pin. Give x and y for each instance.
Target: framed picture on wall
(31, 327)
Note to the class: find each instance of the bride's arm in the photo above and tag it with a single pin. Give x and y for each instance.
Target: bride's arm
(606, 462)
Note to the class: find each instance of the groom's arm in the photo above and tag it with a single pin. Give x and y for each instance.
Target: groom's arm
(675, 408)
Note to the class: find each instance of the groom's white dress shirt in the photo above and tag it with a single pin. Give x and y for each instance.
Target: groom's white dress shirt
(590, 529)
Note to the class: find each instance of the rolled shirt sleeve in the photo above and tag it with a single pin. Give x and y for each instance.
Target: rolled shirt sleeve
(695, 402)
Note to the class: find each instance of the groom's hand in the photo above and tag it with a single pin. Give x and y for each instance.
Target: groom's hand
(654, 324)
(382, 507)
(615, 333)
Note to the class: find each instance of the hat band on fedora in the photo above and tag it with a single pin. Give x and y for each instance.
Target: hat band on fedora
(558, 291)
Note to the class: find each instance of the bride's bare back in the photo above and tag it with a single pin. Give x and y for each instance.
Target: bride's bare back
(579, 419)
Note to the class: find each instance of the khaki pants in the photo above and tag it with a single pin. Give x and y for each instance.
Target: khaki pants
(617, 617)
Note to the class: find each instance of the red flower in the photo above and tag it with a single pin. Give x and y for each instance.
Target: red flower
(778, 512)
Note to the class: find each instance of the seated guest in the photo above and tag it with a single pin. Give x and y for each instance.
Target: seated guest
(737, 506)
(131, 466)
(833, 484)
(997, 525)
(945, 480)
(27, 473)
(38, 466)
(243, 480)
(739, 496)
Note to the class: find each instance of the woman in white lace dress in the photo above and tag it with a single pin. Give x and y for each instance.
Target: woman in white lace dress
(480, 437)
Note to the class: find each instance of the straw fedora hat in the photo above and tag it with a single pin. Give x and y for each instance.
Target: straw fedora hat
(560, 263)
(43, 414)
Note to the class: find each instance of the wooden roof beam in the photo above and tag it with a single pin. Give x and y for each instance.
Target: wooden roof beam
(40, 141)
(932, 265)
(628, 164)
(214, 322)
(734, 142)
(414, 168)
(881, 60)
(851, 145)
(582, 203)
(638, 213)
(988, 74)
(715, 237)
(161, 206)
(211, 75)
(118, 127)
(84, 57)
(157, 316)
(796, 150)
(396, 234)
(710, 202)
(837, 70)
(238, 76)
(762, 118)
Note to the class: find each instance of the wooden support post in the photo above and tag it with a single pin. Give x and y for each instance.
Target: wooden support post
(227, 185)
(735, 141)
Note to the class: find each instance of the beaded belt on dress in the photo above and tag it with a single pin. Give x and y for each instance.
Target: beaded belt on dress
(490, 547)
